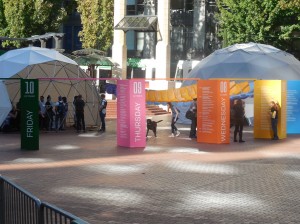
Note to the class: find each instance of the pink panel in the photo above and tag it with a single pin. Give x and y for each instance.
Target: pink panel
(131, 122)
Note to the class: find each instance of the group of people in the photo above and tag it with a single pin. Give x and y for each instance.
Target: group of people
(238, 119)
(53, 116)
(238, 111)
(193, 117)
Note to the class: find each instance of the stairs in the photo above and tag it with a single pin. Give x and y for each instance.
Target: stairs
(151, 110)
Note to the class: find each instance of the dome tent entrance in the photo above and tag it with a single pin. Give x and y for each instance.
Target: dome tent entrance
(58, 76)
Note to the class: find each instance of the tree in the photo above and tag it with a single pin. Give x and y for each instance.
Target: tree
(2, 16)
(97, 23)
(24, 18)
(290, 3)
(272, 22)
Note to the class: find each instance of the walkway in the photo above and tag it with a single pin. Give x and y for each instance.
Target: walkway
(173, 180)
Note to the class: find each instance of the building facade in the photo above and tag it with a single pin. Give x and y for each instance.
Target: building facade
(186, 30)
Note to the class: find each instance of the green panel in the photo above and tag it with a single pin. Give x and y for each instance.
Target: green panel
(29, 114)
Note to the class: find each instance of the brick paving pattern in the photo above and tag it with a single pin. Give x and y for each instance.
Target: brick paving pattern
(173, 180)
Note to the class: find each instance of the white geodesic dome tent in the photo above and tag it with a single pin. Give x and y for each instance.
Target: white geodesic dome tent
(5, 104)
(58, 76)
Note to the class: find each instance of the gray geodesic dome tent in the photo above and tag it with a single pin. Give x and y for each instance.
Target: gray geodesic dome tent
(249, 61)
(58, 76)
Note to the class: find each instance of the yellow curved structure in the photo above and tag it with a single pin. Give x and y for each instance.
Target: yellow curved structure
(188, 93)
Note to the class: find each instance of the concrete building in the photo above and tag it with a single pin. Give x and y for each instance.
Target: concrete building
(162, 32)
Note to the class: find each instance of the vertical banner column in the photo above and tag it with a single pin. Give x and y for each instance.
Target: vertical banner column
(293, 107)
(213, 111)
(29, 115)
(266, 91)
(131, 122)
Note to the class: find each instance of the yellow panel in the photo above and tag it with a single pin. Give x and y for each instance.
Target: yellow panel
(192, 90)
(151, 96)
(171, 95)
(158, 96)
(178, 95)
(185, 94)
(164, 96)
(188, 93)
(234, 90)
(244, 87)
(266, 91)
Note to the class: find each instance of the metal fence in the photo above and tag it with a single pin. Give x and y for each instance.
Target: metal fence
(17, 206)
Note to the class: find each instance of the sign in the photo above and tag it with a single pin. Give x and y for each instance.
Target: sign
(266, 91)
(131, 119)
(293, 107)
(29, 114)
(213, 111)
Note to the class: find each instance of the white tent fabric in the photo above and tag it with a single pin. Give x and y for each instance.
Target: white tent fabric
(5, 104)
(44, 64)
(248, 61)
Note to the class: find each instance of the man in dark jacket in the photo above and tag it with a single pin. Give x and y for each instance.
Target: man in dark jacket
(239, 115)
(79, 110)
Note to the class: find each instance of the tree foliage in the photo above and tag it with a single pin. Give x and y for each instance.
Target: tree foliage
(24, 18)
(97, 23)
(2, 17)
(274, 22)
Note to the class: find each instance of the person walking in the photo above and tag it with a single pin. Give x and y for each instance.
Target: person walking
(79, 108)
(102, 111)
(274, 119)
(175, 117)
(239, 114)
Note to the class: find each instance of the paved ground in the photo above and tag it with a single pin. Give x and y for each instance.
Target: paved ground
(173, 180)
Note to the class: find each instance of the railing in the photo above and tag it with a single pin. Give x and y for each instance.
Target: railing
(18, 206)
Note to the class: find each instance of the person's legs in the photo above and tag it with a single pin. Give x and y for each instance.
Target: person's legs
(274, 123)
(241, 127)
(236, 130)
(83, 122)
(102, 117)
(173, 127)
(78, 118)
(193, 128)
(176, 130)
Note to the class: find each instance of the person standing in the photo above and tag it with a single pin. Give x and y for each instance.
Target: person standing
(79, 108)
(66, 109)
(49, 113)
(102, 111)
(239, 114)
(42, 114)
(74, 112)
(59, 114)
(175, 117)
(274, 119)
(193, 109)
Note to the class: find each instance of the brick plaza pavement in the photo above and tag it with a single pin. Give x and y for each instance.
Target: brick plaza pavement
(173, 180)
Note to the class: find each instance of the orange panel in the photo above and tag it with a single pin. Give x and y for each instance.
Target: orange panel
(213, 114)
